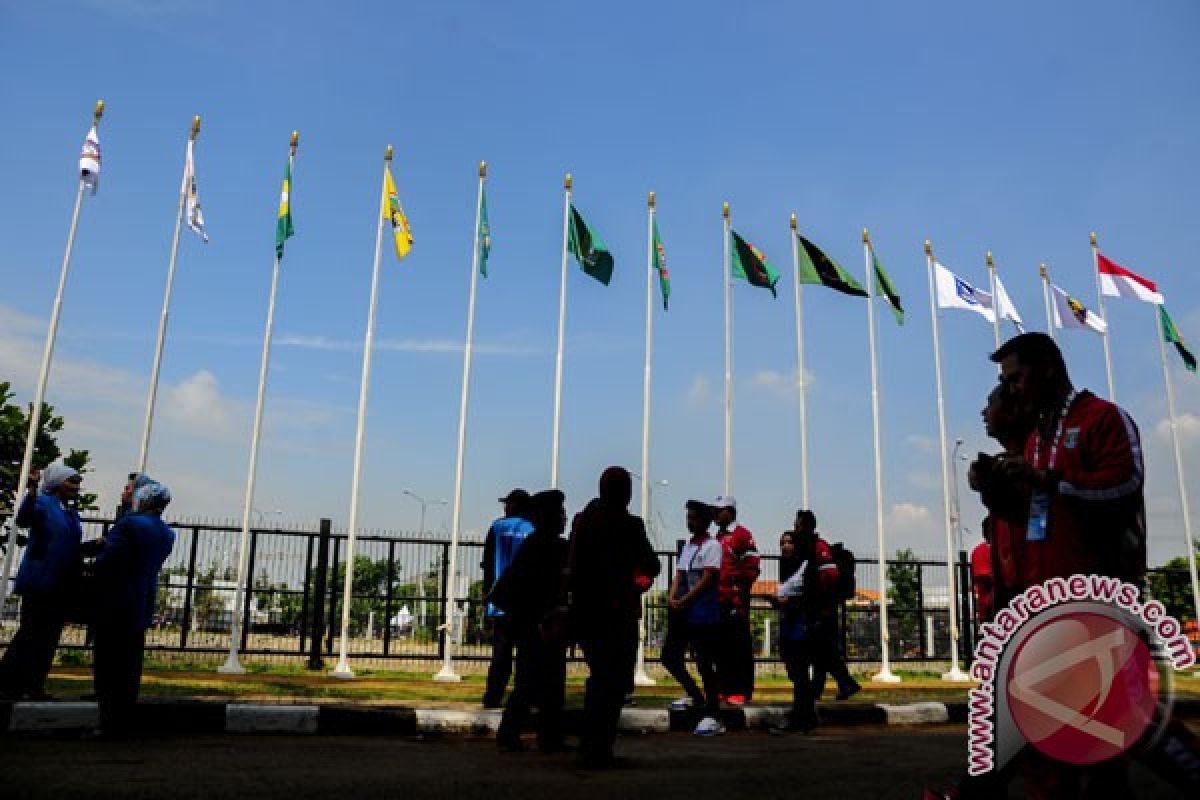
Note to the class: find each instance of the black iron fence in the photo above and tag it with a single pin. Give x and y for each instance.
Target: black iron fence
(293, 608)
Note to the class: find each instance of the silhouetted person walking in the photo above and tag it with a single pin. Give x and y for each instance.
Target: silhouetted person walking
(500, 547)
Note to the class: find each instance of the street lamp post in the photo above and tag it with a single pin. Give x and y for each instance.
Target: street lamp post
(424, 504)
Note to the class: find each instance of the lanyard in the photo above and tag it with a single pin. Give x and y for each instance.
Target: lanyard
(1037, 442)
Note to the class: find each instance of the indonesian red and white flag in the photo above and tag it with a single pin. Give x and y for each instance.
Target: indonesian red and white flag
(89, 161)
(1070, 313)
(1116, 281)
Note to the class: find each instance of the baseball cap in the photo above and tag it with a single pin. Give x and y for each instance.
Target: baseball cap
(725, 501)
(516, 496)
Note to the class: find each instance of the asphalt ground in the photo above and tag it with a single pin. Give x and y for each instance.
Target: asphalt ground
(840, 762)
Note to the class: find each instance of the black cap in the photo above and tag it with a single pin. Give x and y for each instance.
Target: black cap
(516, 496)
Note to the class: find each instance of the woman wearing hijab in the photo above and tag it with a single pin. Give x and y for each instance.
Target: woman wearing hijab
(49, 574)
(611, 564)
(794, 633)
(126, 585)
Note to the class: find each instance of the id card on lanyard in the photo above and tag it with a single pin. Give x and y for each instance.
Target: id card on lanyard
(1039, 505)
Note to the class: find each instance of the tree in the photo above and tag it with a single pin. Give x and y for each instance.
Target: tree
(904, 592)
(14, 427)
(1171, 585)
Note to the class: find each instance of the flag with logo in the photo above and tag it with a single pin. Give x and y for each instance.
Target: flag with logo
(589, 249)
(484, 235)
(193, 213)
(1070, 313)
(954, 292)
(750, 264)
(284, 229)
(660, 266)
(1171, 335)
(89, 161)
(393, 211)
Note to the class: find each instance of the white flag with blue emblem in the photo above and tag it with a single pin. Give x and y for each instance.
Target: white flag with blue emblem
(954, 292)
(195, 214)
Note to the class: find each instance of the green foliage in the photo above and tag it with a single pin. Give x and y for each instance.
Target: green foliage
(904, 591)
(14, 426)
(1172, 586)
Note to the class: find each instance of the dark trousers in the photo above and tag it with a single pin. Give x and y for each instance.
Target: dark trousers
(541, 681)
(29, 655)
(501, 666)
(610, 654)
(735, 654)
(827, 655)
(118, 673)
(701, 640)
(798, 658)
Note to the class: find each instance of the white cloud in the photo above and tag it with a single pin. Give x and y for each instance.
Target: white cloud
(1187, 424)
(197, 404)
(909, 517)
(699, 390)
(781, 382)
(922, 443)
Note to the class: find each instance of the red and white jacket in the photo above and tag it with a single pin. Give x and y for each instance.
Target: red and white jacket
(739, 567)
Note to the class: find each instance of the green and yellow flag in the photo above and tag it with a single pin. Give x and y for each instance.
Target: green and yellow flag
(392, 210)
(1171, 335)
(283, 227)
(885, 287)
(750, 264)
(818, 268)
(589, 250)
(660, 266)
(485, 234)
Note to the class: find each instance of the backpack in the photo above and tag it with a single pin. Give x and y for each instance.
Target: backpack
(846, 562)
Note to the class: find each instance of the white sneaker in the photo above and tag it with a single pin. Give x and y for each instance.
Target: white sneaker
(682, 704)
(709, 726)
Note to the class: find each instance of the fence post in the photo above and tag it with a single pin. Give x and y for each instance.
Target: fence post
(189, 588)
(249, 590)
(387, 598)
(967, 619)
(445, 597)
(318, 603)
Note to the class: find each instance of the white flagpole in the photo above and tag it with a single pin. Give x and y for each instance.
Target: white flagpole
(152, 395)
(1112, 389)
(39, 396)
(991, 265)
(955, 674)
(1189, 541)
(640, 678)
(727, 277)
(232, 664)
(342, 670)
(1046, 300)
(447, 673)
(562, 327)
(885, 674)
(800, 366)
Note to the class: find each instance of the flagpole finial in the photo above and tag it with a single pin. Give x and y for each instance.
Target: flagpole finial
(295, 141)
(725, 210)
(1042, 271)
(929, 248)
(195, 127)
(651, 200)
(792, 222)
(483, 169)
(387, 154)
(98, 112)
(1093, 237)
(991, 264)
(567, 182)
(866, 236)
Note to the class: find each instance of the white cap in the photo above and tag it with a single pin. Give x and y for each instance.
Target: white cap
(725, 501)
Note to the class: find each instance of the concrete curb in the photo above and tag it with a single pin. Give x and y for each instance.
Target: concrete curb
(165, 717)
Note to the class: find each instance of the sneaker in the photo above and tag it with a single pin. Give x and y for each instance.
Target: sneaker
(736, 699)
(682, 704)
(709, 726)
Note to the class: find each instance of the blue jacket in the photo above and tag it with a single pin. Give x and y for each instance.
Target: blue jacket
(500, 547)
(127, 569)
(53, 558)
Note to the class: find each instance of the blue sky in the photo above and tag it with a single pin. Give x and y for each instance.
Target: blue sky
(1017, 128)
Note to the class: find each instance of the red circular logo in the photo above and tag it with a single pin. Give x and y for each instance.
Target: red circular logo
(1083, 688)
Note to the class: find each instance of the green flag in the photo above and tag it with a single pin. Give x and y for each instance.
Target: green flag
(485, 233)
(885, 287)
(1171, 335)
(816, 267)
(751, 265)
(660, 265)
(589, 250)
(283, 227)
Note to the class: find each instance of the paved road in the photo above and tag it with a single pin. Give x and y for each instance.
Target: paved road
(841, 763)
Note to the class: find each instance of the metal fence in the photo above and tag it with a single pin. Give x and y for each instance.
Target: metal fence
(293, 609)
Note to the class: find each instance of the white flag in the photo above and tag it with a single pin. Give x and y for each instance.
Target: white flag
(89, 160)
(1007, 310)
(195, 215)
(954, 292)
(1070, 313)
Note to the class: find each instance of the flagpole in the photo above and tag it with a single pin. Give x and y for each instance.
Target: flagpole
(991, 265)
(342, 670)
(640, 678)
(1112, 390)
(800, 367)
(232, 663)
(885, 674)
(1183, 498)
(152, 395)
(728, 353)
(1046, 299)
(562, 327)
(955, 674)
(39, 396)
(447, 673)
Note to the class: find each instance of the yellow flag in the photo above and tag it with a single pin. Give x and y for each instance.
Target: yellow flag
(392, 210)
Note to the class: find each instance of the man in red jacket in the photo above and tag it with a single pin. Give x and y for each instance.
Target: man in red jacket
(739, 571)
